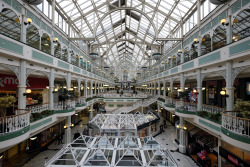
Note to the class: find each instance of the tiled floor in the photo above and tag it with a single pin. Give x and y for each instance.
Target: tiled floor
(166, 140)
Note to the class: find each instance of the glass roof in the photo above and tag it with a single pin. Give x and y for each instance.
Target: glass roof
(125, 35)
(113, 151)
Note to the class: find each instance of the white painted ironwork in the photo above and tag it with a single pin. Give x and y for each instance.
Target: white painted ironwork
(15, 122)
(112, 151)
(232, 122)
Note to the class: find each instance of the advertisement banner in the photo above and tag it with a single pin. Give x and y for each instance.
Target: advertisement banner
(10, 82)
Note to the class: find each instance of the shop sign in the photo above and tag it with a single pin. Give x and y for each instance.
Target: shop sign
(232, 158)
(11, 82)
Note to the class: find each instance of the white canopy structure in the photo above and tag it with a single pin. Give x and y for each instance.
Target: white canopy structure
(123, 122)
(89, 151)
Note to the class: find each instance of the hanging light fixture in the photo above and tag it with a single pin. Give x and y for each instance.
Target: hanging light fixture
(156, 56)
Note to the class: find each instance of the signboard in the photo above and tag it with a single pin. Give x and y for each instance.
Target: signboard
(232, 158)
(10, 82)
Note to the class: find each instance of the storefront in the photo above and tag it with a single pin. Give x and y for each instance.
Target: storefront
(203, 147)
(38, 88)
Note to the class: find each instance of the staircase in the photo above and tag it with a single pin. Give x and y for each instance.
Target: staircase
(139, 103)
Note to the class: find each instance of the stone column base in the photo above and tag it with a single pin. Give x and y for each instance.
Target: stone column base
(182, 149)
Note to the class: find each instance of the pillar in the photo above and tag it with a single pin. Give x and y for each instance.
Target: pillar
(68, 130)
(68, 81)
(182, 145)
(79, 86)
(51, 88)
(22, 85)
(23, 29)
(95, 88)
(91, 91)
(182, 81)
(154, 88)
(229, 86)
(91, 112)
(149, 130)
(199, 90)
(229, 30)
(86, 88)
(219, 157)
(171, 84)
(164, 89)
(159, 88)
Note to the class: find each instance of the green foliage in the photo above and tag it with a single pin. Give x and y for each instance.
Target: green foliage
(43, 114)
(6, 102)
(172, 94)
(183, 94)
(161, 99)
(210, 116)
(243, 107)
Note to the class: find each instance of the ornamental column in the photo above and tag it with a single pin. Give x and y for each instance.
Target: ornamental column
(91, 91)
(86, 89)
(22, 85)
(51, 88)
(183, 142)
(159, 88)
(68, 130)
(229, 87)
(199, 90)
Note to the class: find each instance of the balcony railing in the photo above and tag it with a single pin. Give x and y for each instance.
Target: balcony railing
(64, 105)
(15, 122)
(38, 108)
(212, 109)
(170, 102)
(235, 124)
(186, 106)
(80, 100)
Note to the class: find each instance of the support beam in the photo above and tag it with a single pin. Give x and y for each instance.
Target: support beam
(83, 39)
(169, 39)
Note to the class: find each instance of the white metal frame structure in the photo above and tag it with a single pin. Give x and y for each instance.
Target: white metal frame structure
(121, 122)
(88, 151)
(123, 32)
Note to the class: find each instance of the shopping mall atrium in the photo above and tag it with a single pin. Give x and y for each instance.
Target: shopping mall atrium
(86, 83)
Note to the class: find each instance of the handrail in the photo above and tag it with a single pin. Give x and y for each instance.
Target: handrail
(238, 125)
(213, 109)
(186, 106)
(15, 122)
(38, 107)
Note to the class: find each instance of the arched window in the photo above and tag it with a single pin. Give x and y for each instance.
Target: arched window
(33, 37)
(57, 50)
(241, 25)
(206, 44)
(186, 55)
(193, 51)
(46, 43)
(64, 54)
(10, 24)
(219, 37)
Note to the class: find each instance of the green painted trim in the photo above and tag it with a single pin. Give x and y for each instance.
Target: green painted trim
(81, 105)
(166, 73)
(64, 111)
(40, 123)
(187, 65)
(130, 100)
(241, 47)
(63, 65)
(76, 69)
(174, 70)
(41, 57)
(111, 105)
(235, 136)
(209, 125)
(170, 106)
(11, 46)
(209, 58)
(11, 135)
(119, 100)
(185, 112)
(109, 100)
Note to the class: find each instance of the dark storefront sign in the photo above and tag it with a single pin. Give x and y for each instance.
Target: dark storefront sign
(10, 82)
(232, 158)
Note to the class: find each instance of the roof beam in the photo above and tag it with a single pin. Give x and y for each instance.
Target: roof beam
(169, 39)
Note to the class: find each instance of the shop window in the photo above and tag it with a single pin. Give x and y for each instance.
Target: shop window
(193, 51)
(10, 24)
(186, 55)
(33, 37)
(219, 37)
(64, 54)
(205, 44)
(46, 44)
(57, 50)
(241, 25)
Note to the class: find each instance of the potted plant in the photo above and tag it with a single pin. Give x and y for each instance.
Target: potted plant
(6, 102)
(243, 107)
